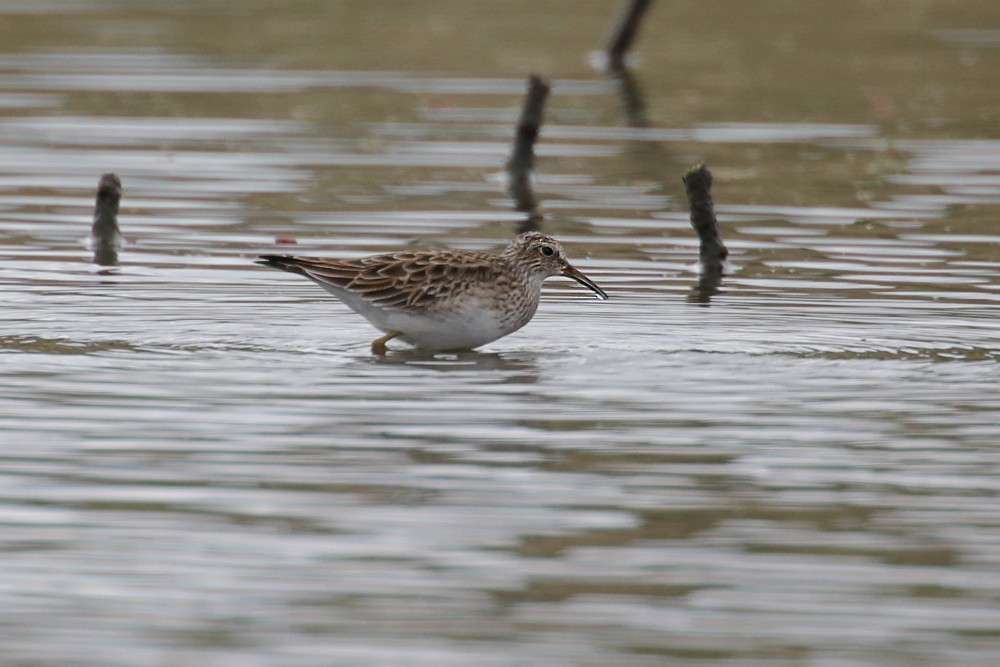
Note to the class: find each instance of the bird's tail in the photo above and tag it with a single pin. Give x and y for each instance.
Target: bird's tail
(284, 262)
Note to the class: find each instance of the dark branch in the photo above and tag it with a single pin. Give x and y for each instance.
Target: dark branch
(105, 238)
(630, 96)
(624, 32)
(698, 182)
(522, 161)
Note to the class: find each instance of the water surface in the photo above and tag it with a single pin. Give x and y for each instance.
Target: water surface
(201, 462)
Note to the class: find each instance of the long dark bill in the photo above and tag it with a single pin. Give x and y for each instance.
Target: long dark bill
(572, 272)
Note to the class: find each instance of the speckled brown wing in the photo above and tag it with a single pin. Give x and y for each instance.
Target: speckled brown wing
(399, 281)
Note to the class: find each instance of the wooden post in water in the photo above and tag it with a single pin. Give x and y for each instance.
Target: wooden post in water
(698, 183)
(615, 52)
(623, 34)
(712, 252)
(105, 237)
(521, 164)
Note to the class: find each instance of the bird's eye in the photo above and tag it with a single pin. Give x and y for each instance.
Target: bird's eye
(547, 251)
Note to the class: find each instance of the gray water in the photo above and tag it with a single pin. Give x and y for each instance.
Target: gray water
(201, 463)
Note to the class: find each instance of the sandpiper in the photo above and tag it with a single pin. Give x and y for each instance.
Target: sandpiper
(105, 238)
(442, 299)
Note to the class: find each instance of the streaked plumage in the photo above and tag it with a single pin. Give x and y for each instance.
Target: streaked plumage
(442, 300)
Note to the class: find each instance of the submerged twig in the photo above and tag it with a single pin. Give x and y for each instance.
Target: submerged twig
(105, 237)
(630, 95)
(713, 252)
(623, 34)
(529, 125)
(614, 66)
(521, 164)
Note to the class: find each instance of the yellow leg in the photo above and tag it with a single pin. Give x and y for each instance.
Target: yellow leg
(378, 346)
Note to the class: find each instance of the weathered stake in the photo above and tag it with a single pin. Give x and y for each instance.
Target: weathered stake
(698, 183)
(624, 32)
(522, 160)
(105, 237)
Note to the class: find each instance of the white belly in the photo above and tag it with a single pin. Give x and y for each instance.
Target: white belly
(454, 333)
(464, 329)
